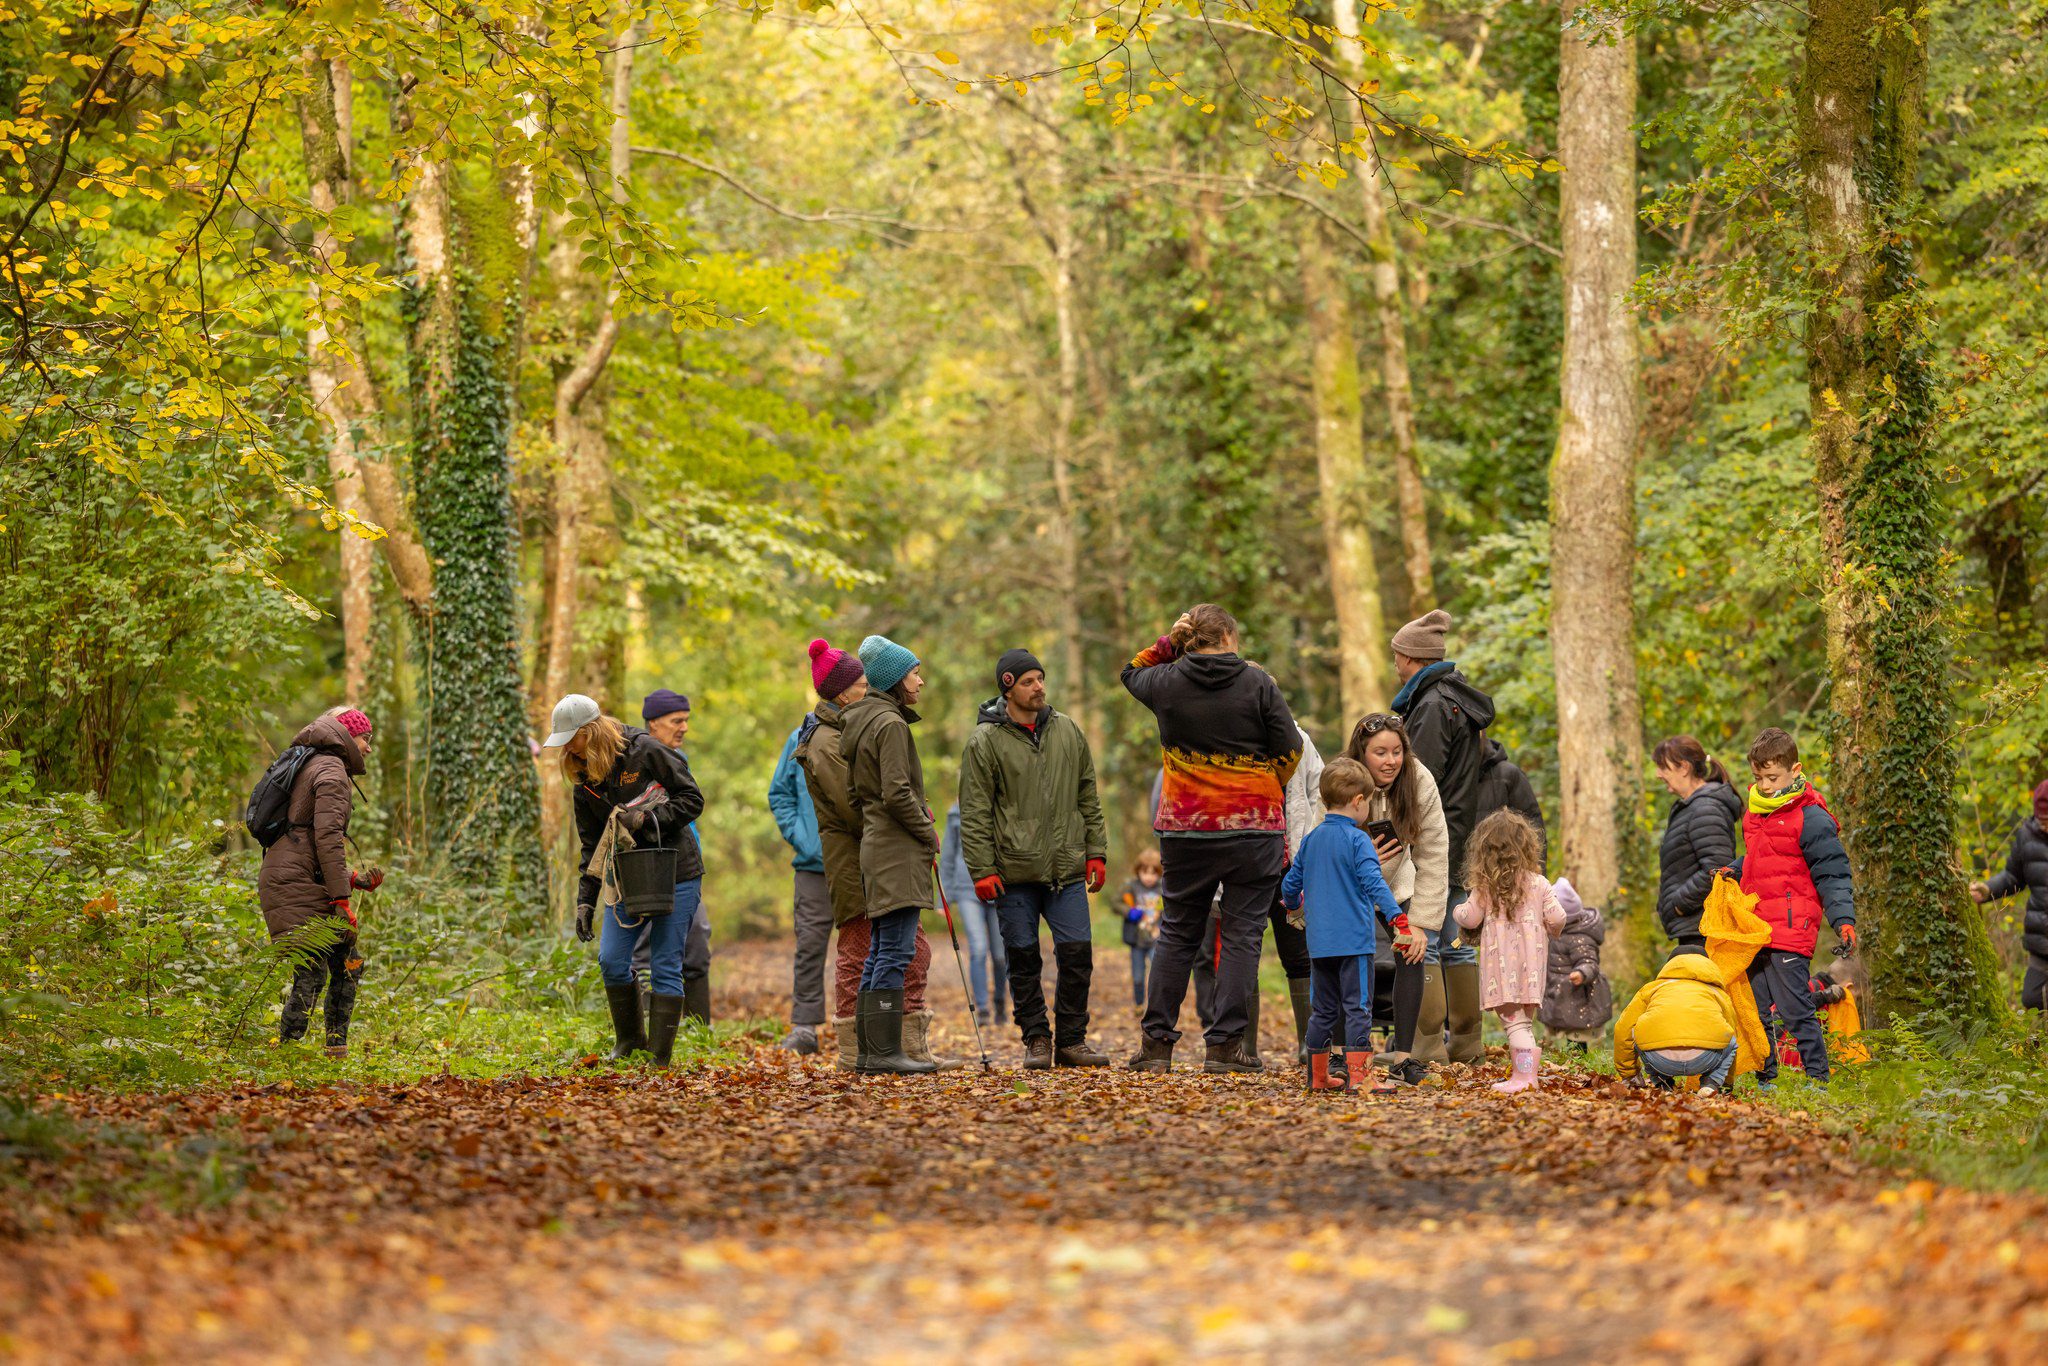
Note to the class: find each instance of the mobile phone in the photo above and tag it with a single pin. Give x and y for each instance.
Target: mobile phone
(1381, 830)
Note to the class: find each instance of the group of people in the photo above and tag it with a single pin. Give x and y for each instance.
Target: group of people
(1403, 880)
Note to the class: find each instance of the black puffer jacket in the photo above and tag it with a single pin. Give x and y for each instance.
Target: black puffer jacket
(1504, 787)
(1699, 836)
(2027, 867)
(1446, 716)
(643, 762)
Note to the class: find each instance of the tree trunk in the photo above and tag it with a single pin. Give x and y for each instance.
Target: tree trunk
(1592, 482)
(1340, 470)
(345, 397)
(1862, 101)
(467, 269)
(1393, 343)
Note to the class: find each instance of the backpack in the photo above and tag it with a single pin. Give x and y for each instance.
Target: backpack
(270, 803)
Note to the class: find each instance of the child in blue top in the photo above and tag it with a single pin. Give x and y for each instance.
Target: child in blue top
(1336, 876)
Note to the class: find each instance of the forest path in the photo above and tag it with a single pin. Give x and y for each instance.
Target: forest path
(778, 1208)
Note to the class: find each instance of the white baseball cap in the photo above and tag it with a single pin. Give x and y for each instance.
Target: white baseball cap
(572, 714)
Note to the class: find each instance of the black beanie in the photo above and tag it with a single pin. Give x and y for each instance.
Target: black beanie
(1012, 666)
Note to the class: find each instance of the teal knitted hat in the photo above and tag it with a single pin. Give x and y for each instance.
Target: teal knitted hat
(886, 662)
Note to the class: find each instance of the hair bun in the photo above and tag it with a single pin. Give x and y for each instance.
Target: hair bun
(818, 647)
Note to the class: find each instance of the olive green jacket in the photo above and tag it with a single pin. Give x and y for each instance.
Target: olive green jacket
(899, 846)
(817, 754)
(1028, 806)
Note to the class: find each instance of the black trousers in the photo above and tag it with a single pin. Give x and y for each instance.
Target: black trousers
(1248, 869)
(1780, 981)
(337, 968)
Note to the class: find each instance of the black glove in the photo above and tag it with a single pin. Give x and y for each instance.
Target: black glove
(634, 821)
(586, 915)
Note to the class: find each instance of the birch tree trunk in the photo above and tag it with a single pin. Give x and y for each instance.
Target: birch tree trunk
(1592, 481)
(1862, 103)
(1395, 383)
(1362, 665)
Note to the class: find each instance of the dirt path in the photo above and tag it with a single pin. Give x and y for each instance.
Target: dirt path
(780, 1209)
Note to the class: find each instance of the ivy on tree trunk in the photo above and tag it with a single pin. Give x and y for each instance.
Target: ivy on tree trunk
(1861, 107)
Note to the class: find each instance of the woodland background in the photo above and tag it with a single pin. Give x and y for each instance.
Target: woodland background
(444, 361)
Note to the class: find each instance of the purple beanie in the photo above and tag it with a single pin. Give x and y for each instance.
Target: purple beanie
(661, 702)
(833, 671)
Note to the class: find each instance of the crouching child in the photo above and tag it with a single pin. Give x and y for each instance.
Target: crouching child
(1335, 880)
(1681, 1024)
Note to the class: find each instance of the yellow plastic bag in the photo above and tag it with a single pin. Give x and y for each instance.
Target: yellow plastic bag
(1734, 933)
(1844, 1022)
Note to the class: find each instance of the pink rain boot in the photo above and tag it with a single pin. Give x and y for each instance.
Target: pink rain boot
(1523, 1078)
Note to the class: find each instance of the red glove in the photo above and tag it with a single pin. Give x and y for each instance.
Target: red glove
(1098, 873)
(1401, 923)
(341, 904)
(987, 889)
(367, 882)
(1846, 932)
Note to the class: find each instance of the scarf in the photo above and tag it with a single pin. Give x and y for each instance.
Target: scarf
(1406, 697)
(1760, 805)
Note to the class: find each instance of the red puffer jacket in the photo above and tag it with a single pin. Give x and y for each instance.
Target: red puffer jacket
(1795, 866)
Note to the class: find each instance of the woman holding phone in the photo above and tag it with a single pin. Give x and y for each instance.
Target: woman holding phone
(1405, 819)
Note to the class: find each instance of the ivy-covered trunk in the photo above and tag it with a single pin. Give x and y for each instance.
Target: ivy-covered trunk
(1592, 480)
(1862, 105)
(468, 279)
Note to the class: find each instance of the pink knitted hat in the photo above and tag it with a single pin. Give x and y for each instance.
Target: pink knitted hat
(354, 722)
(833, 671)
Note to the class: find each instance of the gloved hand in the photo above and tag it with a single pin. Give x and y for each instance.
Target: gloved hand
(1846, 932)
(367, 882)
(1298, 917)
(586, 916)
(340, 904)
(1409, 942)
(1098, 873)
(634, 819)
(987, 889)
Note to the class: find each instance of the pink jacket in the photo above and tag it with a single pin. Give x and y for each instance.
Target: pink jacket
(1514, 946)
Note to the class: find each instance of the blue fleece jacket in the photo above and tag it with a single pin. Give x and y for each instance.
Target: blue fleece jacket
(1336, 873)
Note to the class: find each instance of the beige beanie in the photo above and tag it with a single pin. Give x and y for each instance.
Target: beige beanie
(1423, 638)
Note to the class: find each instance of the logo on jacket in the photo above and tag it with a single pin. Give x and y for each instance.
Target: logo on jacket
(629, 777)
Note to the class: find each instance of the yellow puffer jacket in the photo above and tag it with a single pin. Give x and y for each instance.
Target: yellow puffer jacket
(1686, 1006)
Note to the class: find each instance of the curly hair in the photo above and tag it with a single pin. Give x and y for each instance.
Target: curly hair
(1499, 858)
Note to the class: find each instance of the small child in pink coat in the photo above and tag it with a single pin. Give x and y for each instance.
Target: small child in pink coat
(1512, 900)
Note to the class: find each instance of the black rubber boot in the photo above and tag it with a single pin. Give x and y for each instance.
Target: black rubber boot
(1152, 1056)
(697, 1000)
(1297, 996)
(628, 1038)
(662, 1022)
(1248, 1045)
(882, 1014)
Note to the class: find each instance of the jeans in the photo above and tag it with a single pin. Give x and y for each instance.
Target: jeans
(1465, 949)
(812, 912)
(1065, 910)
(618, 937)
(889, 953)
(1141, 960)
(851, 957)
(1779, 980)
(696, 943)
(1714, 1065)
(1247, 868)
(978, 923)
(1339, 1007)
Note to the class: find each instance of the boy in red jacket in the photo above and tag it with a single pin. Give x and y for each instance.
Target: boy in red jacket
(1796, 868)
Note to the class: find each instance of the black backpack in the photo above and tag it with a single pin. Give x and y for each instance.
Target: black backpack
(270, 803)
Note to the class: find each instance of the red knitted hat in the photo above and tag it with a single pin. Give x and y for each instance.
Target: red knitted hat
(833, 671)
(354, 722)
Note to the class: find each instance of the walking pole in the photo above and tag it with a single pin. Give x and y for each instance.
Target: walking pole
(961, 963)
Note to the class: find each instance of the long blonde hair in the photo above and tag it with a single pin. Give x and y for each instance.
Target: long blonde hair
(1499, 859)
(604, 740)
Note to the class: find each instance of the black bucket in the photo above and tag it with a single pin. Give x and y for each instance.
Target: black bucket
(647, 882)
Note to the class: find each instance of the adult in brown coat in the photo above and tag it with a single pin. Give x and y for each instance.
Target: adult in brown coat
(305, 884)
